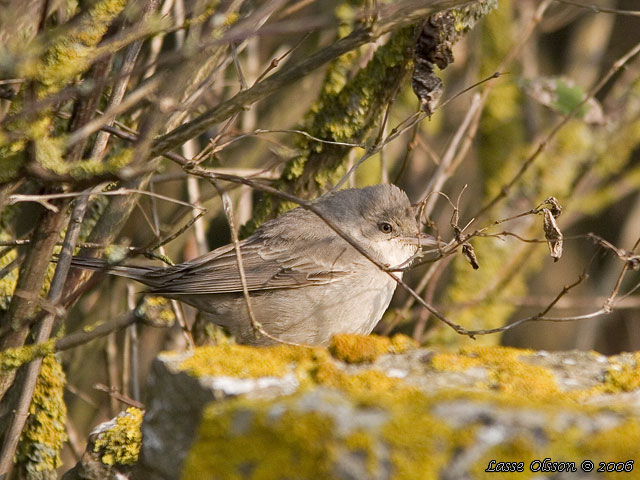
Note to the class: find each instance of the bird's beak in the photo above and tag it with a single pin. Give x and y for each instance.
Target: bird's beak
(423, 239)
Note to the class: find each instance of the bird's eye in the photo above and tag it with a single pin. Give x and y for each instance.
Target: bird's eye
(385, 227)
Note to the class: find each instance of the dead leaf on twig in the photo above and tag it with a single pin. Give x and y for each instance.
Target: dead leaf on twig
(470, 255)
(553, 234)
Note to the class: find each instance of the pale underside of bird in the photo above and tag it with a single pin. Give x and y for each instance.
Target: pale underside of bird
(305, 282)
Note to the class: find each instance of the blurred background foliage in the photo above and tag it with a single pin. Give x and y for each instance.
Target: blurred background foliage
(246, 78)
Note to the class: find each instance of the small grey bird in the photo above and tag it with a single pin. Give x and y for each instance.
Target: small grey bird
(306, 283)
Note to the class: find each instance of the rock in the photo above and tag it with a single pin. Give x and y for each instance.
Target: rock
(288, 412)
(112, 449)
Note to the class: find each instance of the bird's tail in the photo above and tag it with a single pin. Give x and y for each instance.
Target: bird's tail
(139, 273)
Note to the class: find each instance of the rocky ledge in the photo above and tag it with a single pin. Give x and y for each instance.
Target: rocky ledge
(378, 408)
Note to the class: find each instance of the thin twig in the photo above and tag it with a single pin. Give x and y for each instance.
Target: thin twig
(403, 126)
(228, 210)
(16, 198)
(175, 305)
(391, 17)
(103, 329)
(600, 9)
(444, 172)
(110, 114)
(542, 145)
(43, 332)
(541, 315)
(608, 304)
(132, 402)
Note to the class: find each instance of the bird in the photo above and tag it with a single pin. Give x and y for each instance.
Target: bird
(305, 282)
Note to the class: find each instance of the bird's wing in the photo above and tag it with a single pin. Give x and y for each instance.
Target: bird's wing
(269, 267)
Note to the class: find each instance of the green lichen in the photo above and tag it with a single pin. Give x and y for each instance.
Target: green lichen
(50, 153)
(12, 358)
(467, 17)
(84, 169)
(44, 433)
(11, 160)
(51, 66)
(120, 444)
(73, 52)
(351, 348)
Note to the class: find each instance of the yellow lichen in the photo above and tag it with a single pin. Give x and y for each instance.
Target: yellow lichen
(44, 433)
(353, 348)
(291, 445)
(616, 444)
(234, 435)
(366, 385)
(247, 362)
(156, 311)
(12, 358)
(360, 443)
(506, 372)
(623, 377)
(8, 282)
(514, 379)
(73, 52)
(120, 444)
